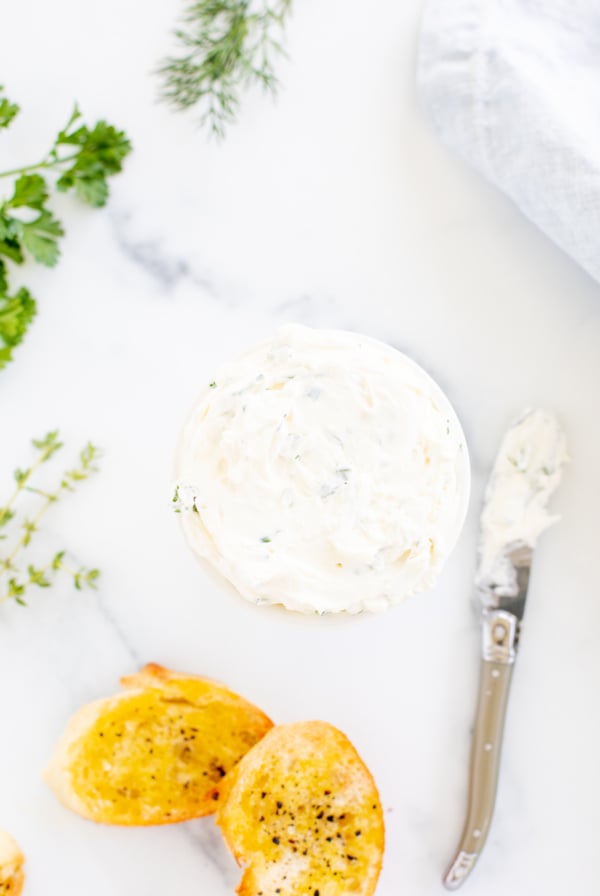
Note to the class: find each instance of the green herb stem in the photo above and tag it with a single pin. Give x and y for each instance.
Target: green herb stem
(18, 581)
(30, 526)
(50, 445)
(83, 159)
(47, 163)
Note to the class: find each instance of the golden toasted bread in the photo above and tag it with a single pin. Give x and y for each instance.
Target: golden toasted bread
(301, 812)
(155, 753)
(11, 866)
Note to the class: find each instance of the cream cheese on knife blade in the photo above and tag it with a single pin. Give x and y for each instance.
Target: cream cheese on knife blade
(326, 471)
(527, 471)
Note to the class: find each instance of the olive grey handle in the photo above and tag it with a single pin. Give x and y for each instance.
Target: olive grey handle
(494, 685)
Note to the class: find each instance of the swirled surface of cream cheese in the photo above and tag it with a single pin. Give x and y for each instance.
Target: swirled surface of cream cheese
(323, 471)
(526, 473)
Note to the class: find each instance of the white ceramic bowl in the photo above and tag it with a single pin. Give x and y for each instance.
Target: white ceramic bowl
(200, 539)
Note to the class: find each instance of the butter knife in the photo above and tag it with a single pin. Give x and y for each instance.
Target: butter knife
(528, 468)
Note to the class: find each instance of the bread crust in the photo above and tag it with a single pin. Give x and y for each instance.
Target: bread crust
(12, 860)
(302, 814)
(155, 753)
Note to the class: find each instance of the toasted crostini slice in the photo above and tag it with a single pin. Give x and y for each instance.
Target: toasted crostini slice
(155, 753)
(11, 866)
(301, 812)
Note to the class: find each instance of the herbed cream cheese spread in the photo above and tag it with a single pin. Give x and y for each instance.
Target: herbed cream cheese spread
(324, 471)
(526, 473)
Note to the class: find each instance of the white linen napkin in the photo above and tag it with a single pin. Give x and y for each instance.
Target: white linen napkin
(514, 87)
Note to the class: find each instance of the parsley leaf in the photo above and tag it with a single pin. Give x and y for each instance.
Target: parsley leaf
(8, 110)
(39, 237)
(30, 190)
(16, 313)
(84, 159)
(9, 244)
(101, 153)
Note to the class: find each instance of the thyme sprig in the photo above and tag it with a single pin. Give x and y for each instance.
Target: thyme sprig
(226, 46)
(16, 579)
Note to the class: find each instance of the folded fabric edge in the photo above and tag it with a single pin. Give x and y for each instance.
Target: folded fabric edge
(451, 75)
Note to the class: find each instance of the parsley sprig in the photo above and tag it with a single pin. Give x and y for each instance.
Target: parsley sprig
(16, 578)
(226, 46)
(83, 158)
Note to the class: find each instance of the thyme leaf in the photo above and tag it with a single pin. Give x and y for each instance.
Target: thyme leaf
(14, 579)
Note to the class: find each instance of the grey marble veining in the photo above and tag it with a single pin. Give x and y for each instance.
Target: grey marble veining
(334, 206)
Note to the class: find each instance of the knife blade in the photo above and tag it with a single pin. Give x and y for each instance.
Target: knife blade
(527, 470)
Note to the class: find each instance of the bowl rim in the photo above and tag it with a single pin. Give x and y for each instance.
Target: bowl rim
(464, 473)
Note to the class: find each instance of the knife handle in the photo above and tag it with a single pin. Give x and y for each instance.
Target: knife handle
(499, 638)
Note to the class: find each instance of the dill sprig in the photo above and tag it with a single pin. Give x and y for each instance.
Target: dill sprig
(226, 46)
(15, 578)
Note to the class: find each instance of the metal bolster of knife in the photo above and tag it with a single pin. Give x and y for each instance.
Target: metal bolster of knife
(499, 632)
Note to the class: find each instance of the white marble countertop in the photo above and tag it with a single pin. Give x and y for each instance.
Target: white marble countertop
(334, 206)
